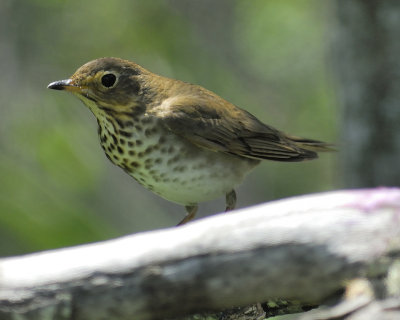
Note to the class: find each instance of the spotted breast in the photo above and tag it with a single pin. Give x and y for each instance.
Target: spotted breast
(166, 164)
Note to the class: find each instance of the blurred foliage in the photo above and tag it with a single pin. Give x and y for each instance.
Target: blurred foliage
(58, 189)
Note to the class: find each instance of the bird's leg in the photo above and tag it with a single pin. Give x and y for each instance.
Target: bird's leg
(230, 200)
(191, 212)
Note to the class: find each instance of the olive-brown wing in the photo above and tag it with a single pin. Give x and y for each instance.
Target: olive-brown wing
(223, 127)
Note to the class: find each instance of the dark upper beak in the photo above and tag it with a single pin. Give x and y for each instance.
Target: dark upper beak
(59, 85)
(67, 85)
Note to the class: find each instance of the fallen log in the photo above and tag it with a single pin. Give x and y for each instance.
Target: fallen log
(303, 248)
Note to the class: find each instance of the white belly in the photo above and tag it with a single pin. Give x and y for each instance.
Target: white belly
(187, 175)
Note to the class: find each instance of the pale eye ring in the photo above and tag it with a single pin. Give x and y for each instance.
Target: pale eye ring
(108, 80)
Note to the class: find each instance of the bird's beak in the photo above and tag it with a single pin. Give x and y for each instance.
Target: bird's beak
(67, 85)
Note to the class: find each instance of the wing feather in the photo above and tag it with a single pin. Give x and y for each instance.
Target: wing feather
(213, 123)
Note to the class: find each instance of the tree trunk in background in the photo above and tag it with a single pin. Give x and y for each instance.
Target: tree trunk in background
(367, 62)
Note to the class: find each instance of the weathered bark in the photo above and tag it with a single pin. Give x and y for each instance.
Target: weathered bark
(366, 50)
(296, 249)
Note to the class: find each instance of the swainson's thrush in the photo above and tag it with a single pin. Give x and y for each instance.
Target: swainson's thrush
(179, 140)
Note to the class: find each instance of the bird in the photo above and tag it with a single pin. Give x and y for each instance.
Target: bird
(178, 140)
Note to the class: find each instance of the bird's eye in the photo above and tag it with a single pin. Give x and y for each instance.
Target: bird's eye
(108, 80)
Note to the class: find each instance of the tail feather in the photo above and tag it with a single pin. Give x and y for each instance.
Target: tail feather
(283, 148)
(312, 145)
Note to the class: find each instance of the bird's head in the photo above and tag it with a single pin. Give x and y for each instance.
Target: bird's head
(107, 84)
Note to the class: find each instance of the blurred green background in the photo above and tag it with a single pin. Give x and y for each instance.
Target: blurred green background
(57, 187)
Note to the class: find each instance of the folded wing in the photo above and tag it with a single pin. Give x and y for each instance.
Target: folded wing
(224, 127)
